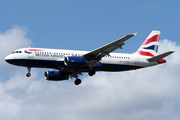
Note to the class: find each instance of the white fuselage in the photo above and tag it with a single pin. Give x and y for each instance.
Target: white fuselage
(54, 58)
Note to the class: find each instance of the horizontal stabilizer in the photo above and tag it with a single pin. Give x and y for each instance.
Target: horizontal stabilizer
(159, 57)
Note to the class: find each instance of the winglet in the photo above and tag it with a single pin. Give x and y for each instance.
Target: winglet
(135, 34)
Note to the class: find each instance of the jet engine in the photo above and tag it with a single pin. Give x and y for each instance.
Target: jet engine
(56, 76)
(72, 61)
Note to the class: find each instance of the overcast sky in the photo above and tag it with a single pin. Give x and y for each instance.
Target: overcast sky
(145, 94)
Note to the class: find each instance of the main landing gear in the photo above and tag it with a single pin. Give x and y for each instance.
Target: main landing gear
(29, 70)
(77, 81)
(75, 75)
(91, 72)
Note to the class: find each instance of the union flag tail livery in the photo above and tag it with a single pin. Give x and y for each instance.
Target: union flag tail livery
(72, 63)
(150, 45)
(149, 49)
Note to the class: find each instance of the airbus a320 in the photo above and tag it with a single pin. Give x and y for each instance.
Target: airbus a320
(72, 63)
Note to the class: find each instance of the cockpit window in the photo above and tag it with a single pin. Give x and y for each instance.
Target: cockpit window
(16, 52)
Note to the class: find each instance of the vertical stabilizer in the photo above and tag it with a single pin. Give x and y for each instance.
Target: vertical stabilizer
(150, 45)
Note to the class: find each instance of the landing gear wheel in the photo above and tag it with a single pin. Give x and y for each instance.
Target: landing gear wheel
(28, 74)
(29, 70)
(92, 72)
(77, 81)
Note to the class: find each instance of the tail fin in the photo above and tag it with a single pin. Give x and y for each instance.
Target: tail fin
(150, 45)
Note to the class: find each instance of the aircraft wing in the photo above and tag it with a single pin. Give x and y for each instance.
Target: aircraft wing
(97, 54)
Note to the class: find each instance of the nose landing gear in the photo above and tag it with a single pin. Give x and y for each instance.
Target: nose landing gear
(29, 70)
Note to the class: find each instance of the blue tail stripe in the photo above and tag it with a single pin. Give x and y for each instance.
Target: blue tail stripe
(156, 49)
(153, 47)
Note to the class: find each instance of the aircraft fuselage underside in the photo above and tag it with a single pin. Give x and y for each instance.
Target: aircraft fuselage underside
(60, 64)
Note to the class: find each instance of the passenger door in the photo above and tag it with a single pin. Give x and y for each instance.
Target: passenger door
(31, 53)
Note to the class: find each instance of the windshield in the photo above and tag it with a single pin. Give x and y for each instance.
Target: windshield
(16, 52)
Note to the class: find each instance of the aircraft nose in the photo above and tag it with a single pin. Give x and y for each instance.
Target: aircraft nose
(8, 59)
(11, 59)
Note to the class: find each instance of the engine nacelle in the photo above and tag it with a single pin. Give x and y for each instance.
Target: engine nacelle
(75, 61)
(56, 76)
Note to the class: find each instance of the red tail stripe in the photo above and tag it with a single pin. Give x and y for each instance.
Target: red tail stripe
(155, 38)
(145, 53)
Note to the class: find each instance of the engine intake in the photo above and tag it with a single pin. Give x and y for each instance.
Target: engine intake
(75, 61)
(56, 76)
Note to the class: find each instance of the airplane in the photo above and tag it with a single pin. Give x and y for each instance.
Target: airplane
(72, 63)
